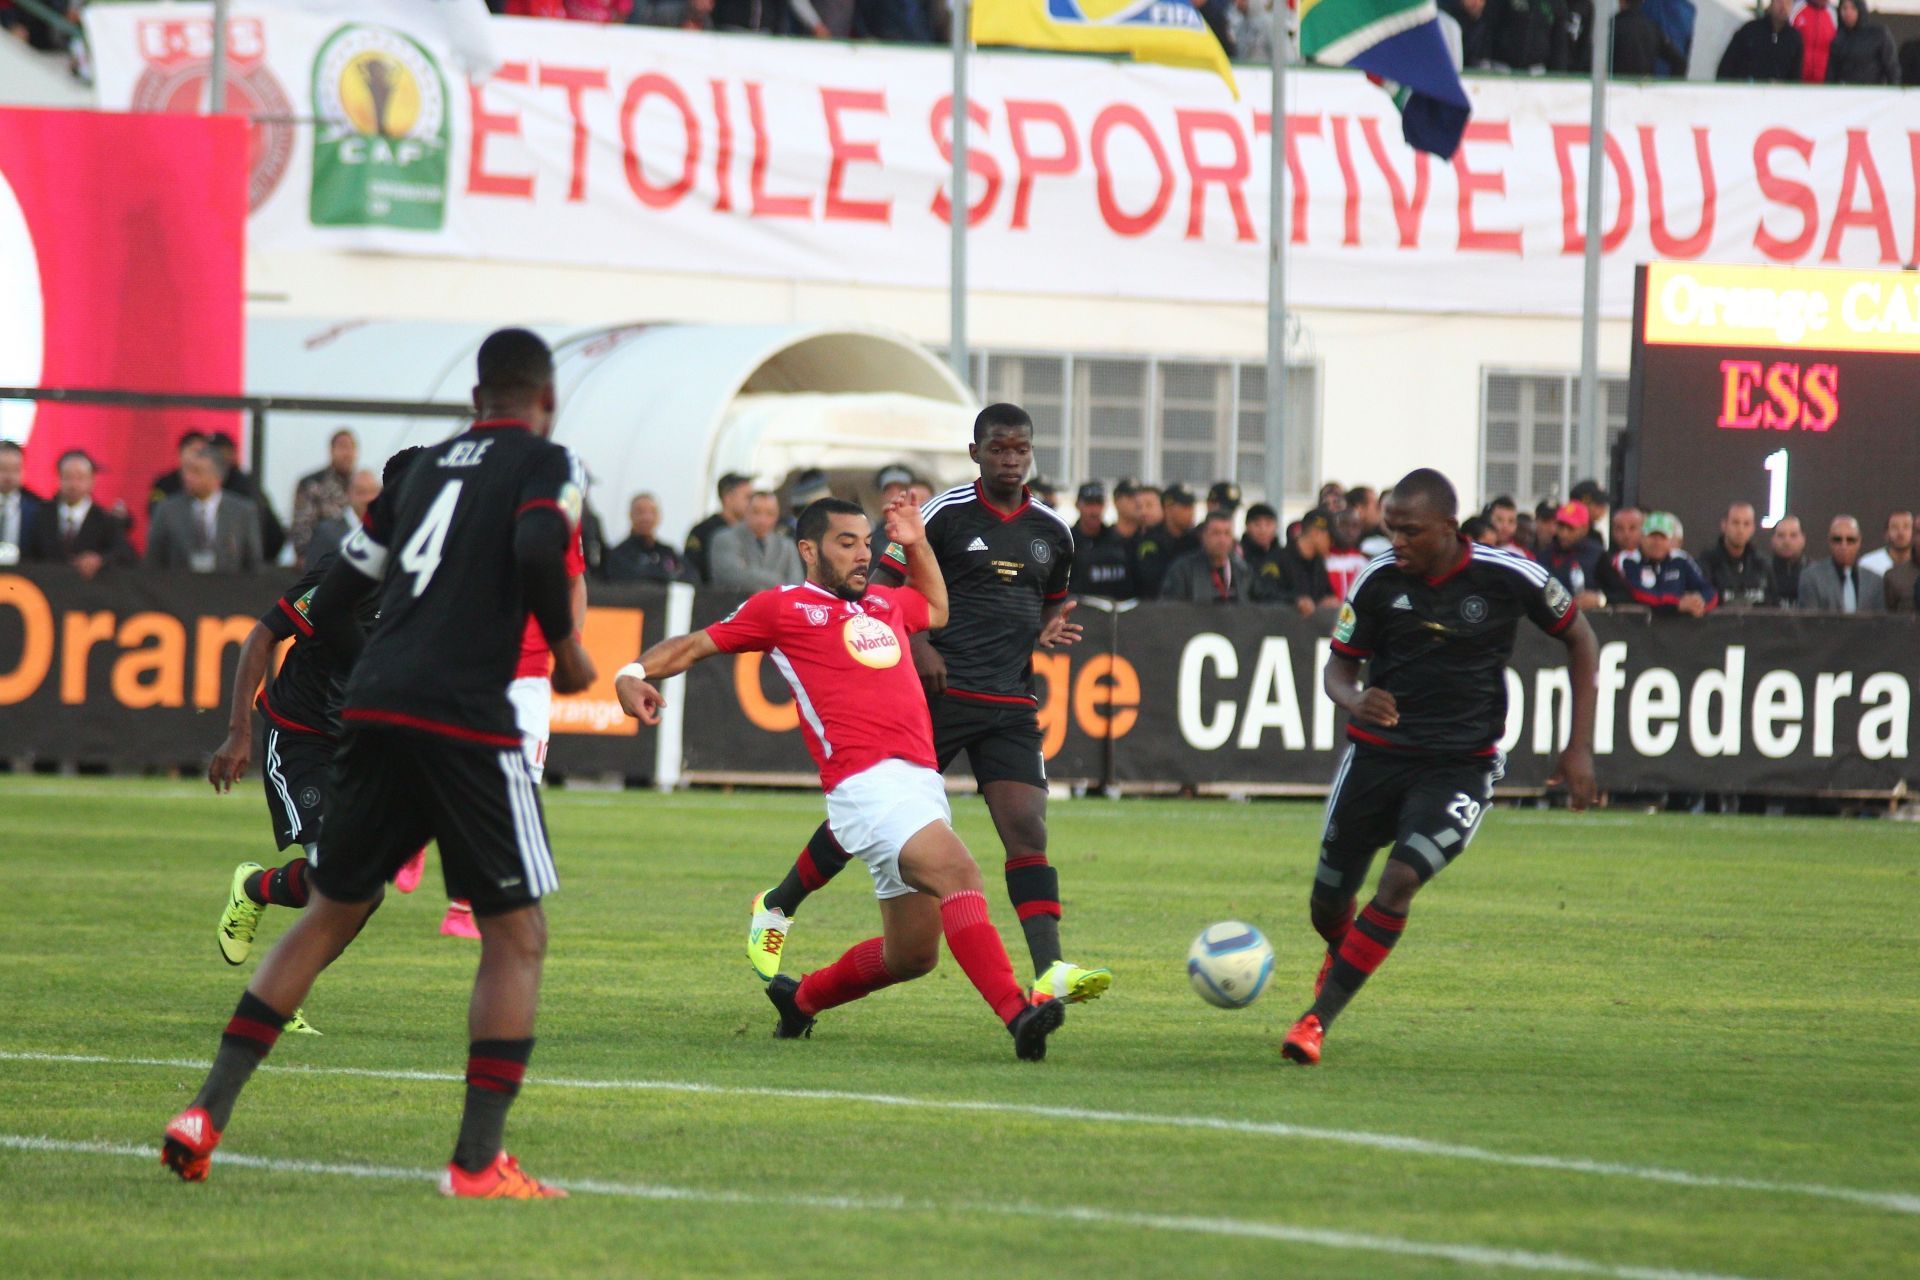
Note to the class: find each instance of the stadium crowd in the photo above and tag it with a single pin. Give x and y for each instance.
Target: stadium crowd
(208, 515)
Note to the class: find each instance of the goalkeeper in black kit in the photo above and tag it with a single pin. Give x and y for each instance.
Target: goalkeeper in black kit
(1432, 622)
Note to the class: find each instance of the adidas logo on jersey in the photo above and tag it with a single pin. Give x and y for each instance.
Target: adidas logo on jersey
(978, 544)
(1403, 603)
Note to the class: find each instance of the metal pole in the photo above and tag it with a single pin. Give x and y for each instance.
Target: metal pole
(1276, 438)
(1592, 462)
(957, 220)
(217, 85)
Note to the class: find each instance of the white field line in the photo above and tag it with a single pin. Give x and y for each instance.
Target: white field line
(1242, 1228)
(1892, 1201)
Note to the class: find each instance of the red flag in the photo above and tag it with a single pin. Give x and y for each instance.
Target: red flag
(131, 230)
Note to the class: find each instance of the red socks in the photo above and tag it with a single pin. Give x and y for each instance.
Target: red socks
(860, 972)
(976, 946)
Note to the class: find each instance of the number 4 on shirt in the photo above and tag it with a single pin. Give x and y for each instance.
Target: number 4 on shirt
(421, 556)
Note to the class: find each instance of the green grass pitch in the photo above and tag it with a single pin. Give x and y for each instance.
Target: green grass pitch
(1612, 1045)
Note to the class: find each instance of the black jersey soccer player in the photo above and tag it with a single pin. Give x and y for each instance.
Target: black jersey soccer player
(469, 543)
(1006, 558)
(1433, 622)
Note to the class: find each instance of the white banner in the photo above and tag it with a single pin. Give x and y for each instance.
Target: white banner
(791, 159)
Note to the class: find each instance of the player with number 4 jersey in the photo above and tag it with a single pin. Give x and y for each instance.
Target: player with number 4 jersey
(1433, 623)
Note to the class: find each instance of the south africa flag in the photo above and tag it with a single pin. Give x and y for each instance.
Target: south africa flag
(1399, 45)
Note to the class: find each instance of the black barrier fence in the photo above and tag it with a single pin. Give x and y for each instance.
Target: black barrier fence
(132, 671)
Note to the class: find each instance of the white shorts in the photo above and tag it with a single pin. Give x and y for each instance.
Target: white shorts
(876, 811)
(532, 699)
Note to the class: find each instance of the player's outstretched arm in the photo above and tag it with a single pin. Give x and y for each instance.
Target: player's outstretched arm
(906, 527)
(229, 763)
(638, 697)
(1575, 768)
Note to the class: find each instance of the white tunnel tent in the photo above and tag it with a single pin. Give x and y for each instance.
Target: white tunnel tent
(665, 408)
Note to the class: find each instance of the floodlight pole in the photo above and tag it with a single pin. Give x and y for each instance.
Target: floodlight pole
(1276, 436)
(1592, 462)
(957, 213)
(217, 80)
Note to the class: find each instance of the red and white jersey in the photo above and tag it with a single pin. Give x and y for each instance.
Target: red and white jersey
(848, 664)
(1343, 567)
(536, 658)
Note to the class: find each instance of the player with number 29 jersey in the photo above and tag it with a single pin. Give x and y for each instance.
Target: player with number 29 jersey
(439, 669)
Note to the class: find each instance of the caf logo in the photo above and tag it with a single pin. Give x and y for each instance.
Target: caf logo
(1473, 609)
(871, 642)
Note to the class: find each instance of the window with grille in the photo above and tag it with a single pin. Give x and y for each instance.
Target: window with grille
(1301, 464)
(1110, 415)
(1530, 444)
(1037, 384)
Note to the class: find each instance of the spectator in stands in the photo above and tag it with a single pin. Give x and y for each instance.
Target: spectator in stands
(1599, 505)
(893, 481)
(602, 11)
(205, 528)
(1045, 492)
(1152, 511)
(1305, 560)
(1735, 565)
(1265, 557)
(1160, 547)
(1573, 557)
(1663, 577)
(1215, 574)
(643, 557)
(756, 553)
(1910, 63)
(1902, 586)
(17, 503)
(1674, 18)
(1332, 497)
(71, 529)
(1531, 35)
(1862, 51)
(1346, 559)
(1251, 24)
(1526, 534)
(1223, 496)
(1476, 31)
(1504, 515)
(1815, 21)
(226, 453)
(1767, 49)
(1640, 48)
(1126, 511)
(806, 489)
(1546, 513)
(1840, 584)
(1579, 43)
(734, 489)
(166, 486)
(1367, 506)
(1789, 547)
(1102, 565)
(1624, 536)
(1898, 548)
(323, 494)
(920, 493)
(328, 534)
(1477, 529)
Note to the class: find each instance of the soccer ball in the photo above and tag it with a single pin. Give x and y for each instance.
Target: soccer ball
(1229, 964)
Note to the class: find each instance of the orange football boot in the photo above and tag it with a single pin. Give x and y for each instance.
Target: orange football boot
(187, 1146)
(1302, 1044)
(501, 1180)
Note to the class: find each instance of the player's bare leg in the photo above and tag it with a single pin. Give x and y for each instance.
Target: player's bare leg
(1019, 812)
(1363, 948)
(279, 986)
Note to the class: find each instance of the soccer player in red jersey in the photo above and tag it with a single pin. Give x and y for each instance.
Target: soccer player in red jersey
(843, 647)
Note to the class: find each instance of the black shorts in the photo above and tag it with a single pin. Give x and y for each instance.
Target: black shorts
(294, 771)
(1426, 807)
(1001, 739)
(392, 791)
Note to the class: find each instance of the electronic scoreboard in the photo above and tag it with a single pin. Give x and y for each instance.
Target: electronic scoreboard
(1794, 389)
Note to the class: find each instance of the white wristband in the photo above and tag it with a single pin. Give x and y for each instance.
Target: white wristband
(633, 669)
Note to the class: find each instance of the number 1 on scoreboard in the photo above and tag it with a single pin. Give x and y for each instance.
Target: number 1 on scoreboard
(1776, 465)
